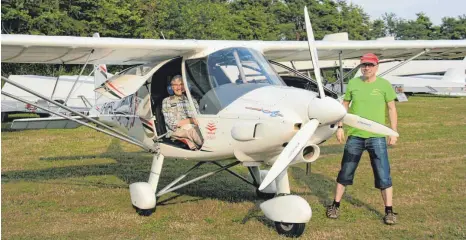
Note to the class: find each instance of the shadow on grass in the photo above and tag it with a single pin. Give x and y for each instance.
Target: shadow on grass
(256, 213)
(322, 187)
(166, 201)
(135, 167)
(331, 149)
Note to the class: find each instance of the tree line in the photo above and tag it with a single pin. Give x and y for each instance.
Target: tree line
(209, 19)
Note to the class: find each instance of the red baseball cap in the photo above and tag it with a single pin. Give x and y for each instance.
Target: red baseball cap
(370, 58)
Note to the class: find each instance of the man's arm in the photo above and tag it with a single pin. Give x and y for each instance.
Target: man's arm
(393, 116)
(346, 105)
(340, 132)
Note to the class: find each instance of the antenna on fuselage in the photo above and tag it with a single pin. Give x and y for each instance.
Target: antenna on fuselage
(313, 51)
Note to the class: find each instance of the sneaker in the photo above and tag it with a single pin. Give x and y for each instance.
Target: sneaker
(333, 211)
(390, 218)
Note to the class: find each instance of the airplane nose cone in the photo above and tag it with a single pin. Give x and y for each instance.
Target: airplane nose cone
(326, 110)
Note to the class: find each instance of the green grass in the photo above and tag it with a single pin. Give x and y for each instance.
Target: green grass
(62, 184)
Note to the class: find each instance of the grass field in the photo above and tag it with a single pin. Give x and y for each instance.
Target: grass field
(63, 184)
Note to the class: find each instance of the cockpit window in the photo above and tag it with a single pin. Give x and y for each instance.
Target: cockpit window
(240, 66)
(225, 75)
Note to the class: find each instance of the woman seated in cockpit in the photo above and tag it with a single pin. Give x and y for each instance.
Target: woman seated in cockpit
(179, 116)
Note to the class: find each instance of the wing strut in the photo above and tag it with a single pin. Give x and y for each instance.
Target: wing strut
(126, 139)
(404, 62)
(77, 79)
(342, 75)
(116, 132)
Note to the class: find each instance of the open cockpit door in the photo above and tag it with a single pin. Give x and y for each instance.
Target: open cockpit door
(128, 81)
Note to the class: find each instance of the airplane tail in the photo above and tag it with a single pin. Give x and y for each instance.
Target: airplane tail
(100, 71)
(457, 75)
(101, 75)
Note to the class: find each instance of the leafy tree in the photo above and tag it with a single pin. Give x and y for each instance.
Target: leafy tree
(204, 20)
(377, 29)
(354, 21)
(453, 28)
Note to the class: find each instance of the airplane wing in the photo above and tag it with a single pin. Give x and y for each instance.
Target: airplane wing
(45, 123)
(121, 51)
(396, 49)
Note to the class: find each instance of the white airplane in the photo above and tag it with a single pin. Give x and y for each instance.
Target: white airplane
(81, 99)
(247, 114)
(439, 77)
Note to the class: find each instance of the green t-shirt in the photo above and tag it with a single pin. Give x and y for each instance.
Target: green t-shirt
(368, 100)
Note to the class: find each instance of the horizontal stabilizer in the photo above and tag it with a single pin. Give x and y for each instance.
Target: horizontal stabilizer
(46, 123)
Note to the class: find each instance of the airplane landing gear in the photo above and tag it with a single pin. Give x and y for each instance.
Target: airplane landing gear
(263, 195)
(144, 212)
(290, 213)
(290, 229)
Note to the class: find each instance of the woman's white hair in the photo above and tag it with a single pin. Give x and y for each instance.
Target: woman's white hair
(176, 78)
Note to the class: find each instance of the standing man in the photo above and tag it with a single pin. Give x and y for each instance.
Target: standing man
(179, 116)
(368, 96)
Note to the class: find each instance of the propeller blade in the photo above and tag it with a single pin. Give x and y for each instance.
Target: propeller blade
(296, 144)
(368, 125)
(313, 51)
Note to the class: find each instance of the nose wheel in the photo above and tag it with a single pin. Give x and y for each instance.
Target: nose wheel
(290, 229)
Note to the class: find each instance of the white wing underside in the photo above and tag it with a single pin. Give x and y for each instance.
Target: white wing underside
(45, 123)
(74, 50)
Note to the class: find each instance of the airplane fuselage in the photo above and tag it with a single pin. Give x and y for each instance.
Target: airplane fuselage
(251, 121)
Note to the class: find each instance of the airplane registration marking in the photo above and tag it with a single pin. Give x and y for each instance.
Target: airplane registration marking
(268, 112)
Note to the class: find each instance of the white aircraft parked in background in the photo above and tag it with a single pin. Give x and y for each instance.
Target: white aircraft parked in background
(247, 114)
(77, 92)
(415, 76)
(439, 77)
(81, 99)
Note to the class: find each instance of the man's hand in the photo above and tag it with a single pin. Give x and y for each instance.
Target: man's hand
(340, 135)
(193, 121)
(183, 122)
(392, 140)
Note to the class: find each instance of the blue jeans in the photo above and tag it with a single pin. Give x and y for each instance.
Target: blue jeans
(377, 148)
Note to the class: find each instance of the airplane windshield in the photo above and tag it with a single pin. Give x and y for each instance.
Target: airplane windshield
(226, 75)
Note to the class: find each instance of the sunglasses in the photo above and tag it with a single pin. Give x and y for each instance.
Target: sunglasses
(368, 65)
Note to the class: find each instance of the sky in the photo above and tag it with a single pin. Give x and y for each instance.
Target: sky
(407, 9)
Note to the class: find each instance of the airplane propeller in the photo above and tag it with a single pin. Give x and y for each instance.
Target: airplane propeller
(297, 143)
(322, 110)
(368, 125)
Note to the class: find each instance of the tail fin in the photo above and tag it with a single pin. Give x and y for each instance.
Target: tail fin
(457, 75)
(101, 75)
(100, 71)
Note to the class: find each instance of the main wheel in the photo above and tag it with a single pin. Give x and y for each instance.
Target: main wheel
(290, 229)
(144, 212)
